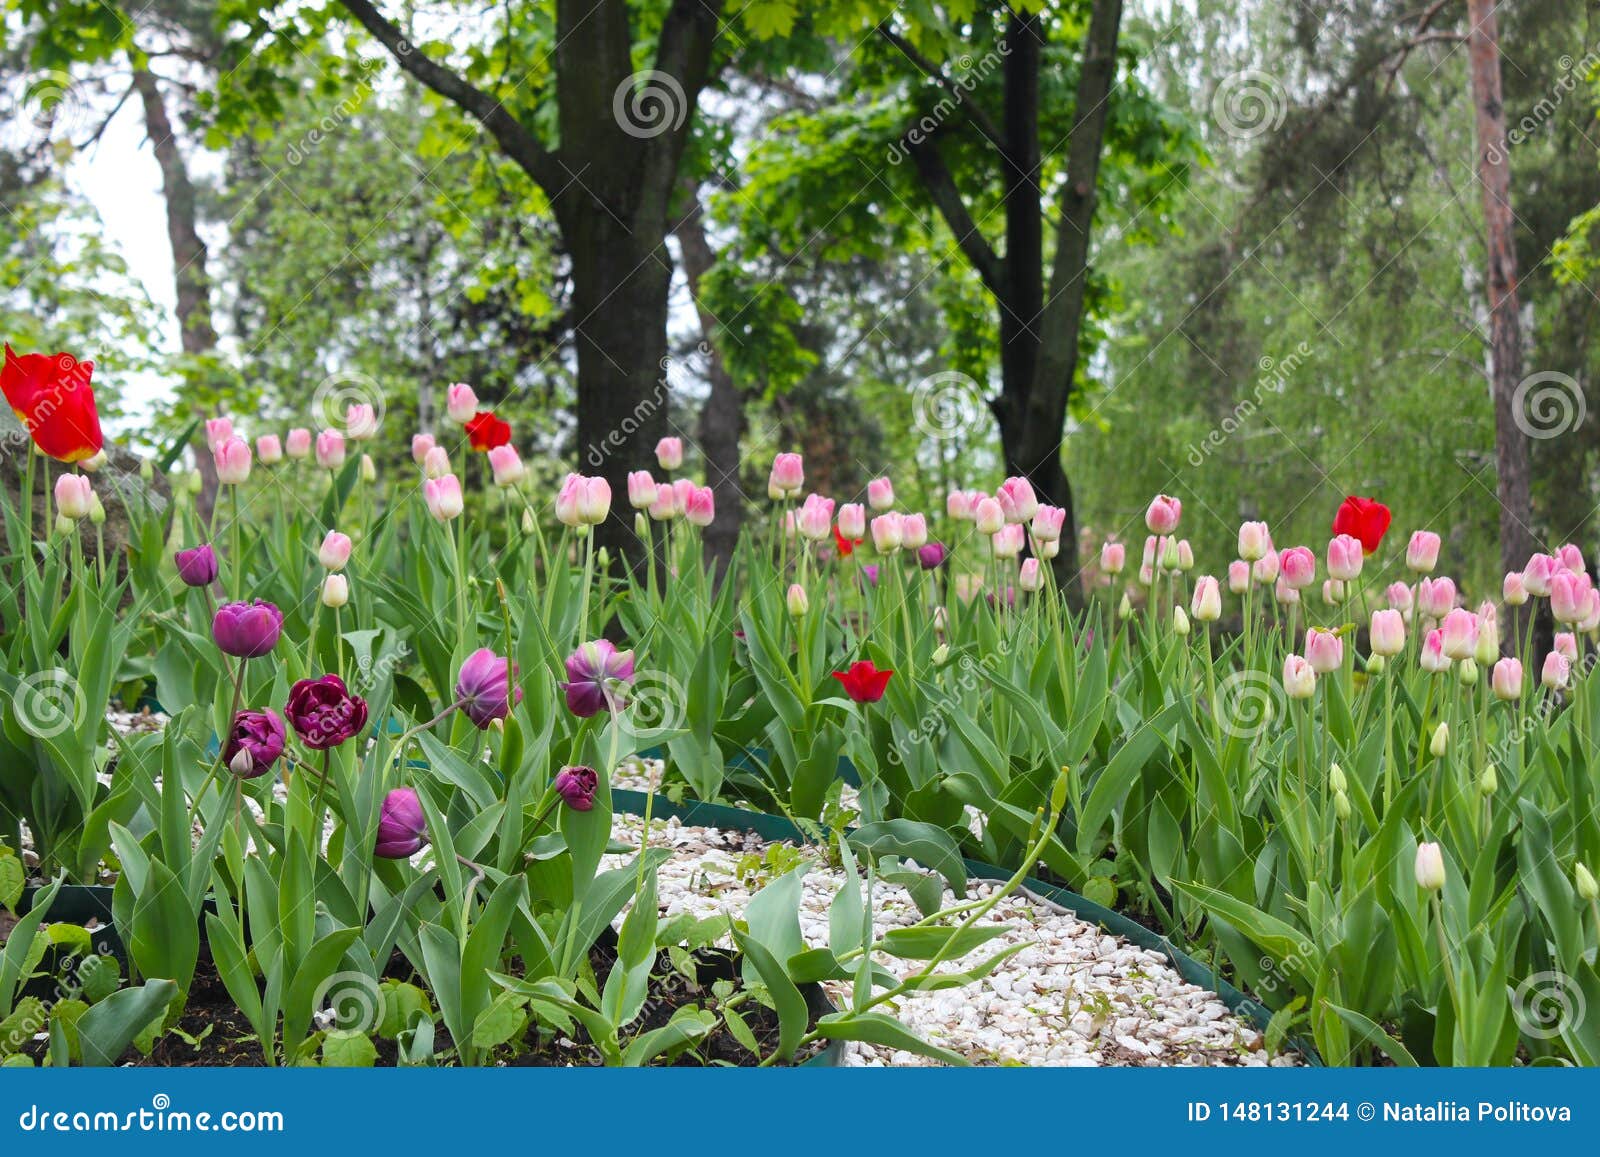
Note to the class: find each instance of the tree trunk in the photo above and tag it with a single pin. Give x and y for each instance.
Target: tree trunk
(1036, 451)
(1517, 540)
(722, 419)
(188, 261)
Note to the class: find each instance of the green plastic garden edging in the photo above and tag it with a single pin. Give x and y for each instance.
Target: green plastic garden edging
(780, 828)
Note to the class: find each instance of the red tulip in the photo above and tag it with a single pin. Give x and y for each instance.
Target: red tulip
(1363, 518)
(863, 682)
(485, 431)
(51, 397)
(846, 546)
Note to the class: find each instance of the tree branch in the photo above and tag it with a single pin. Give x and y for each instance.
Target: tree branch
(980, 119)
(941, 186)
(519, 143)
(684, 52)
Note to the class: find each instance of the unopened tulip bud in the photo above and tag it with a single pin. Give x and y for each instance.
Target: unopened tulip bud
(602, 558)
(1584, 879)
(147, 470)
(1113, 558)
(269, 449)
(73, 494)
(880, 494)
(641, 524)
(1468, 670)
(1254, 541)
(1388, 632)
(669, 453)
(1376, 664)
(1238, 577)
(335, 591)
(527, 522)
(1180, 621)
(1332, 591)
(64, 525)
(297, 444)
(1030, 578)
(1441, 741)
(1206, 605)
(798, 603)
(97, 510)
(1422, 552)
(1488, 781)
(1512, 591)
(941, 653)
(193, 482)
(1170, 556)
(990, 518)
(1185, 555)
(369, 469)
(1430, 867)
(99, 458)
(1336, 778)
(1341, 805)
(1507, 679)
(1125, 607)
(460, 403)
(1344, 558)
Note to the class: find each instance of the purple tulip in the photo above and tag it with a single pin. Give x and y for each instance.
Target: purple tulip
(323, 713)
(247, 630)
(932, 555)
(197, 566)
(598, 675)
(484, 688)
(255, 743)
(402, 828)
(871, 573)
(577, 785)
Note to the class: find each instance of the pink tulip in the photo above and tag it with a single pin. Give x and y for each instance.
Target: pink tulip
(1048, 521)
(360, 422)
(888, 533)
(233, 461)
(1507, 680)
(913, 532)
(1512, 590)
(1556, 671)
(988, 515)
(852, 521)
(1571, 557)
(1460, 638)
(1030, 577)
(1163, 513)
(298, 444)
(330, 449)
(1324, 651)
(1266, 569)
(1254, 541)
(798, 603)
(436, 463)
(1488, 648)
(1569, 596)
(880, 494)
(701, 509)
(75, 496)
(1388, 632)
(1422, 552)
(594, 500)
(1299, 678)
(420, 445)
(1567, 644)
(788, 474)
(269, 449)
(507, 466)
(1113, 558)
(1345, 558)
(1206, 603)
(956, 505)
(1047, 548)
(1185, 555)
(567, 500)
(1008, 540)
(1332, 591)
(682, 491)
(1017, 499)
(1398, 595)
(816, 515)
(1433, 658)
(460, 403)
(1591, 612)
(334, 553)
(1298, 566)
(665, 507)
(1152, 550)
(1238, 576)
(1435, 597)
(1285, 594)
(443, 497)
(1537, 574)
(1147, 575)
(641, 489)
(669, 453)
(218, 431)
